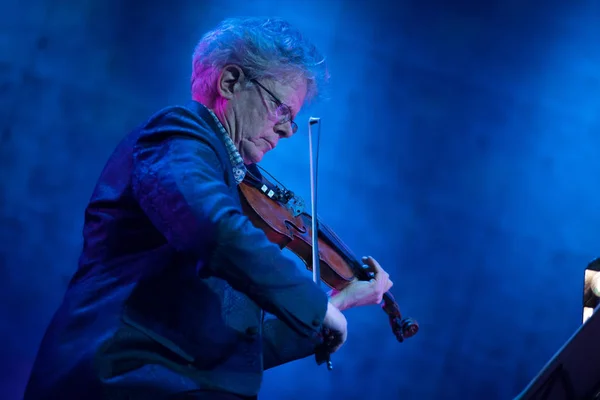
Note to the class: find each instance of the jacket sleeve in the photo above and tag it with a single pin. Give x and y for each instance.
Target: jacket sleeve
(282, 344)
(179, 183)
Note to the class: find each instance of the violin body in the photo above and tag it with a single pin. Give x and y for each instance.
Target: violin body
(295, 234)
(281, 216)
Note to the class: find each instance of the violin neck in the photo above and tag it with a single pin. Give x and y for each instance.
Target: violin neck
(329, 235)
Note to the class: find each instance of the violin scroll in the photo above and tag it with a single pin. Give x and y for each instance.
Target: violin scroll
(403, 328)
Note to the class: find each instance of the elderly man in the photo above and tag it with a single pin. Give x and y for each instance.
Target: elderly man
(174, 281)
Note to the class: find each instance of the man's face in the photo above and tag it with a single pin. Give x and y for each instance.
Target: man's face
(264, 114)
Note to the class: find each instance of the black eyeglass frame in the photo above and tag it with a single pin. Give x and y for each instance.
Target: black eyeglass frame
(283, 111)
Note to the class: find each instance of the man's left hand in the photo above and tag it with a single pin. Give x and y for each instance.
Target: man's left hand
(362, 293)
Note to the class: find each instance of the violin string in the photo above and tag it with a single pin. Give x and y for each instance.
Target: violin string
(252, 175)
(323, 226)
(271, 176)
(340, 243)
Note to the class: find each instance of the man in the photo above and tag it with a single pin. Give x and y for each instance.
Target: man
(174, 280)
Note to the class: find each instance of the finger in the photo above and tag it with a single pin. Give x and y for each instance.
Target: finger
(389, 285)
(373, 264)
(341, 339)
(379, 283)
(335, 344)
(381, 277)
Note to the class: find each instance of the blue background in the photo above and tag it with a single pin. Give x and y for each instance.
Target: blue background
(459, 148)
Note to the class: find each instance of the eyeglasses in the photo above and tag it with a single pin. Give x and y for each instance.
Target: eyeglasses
(283, 111)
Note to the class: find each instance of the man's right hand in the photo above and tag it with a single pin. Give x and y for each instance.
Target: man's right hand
(338, 328)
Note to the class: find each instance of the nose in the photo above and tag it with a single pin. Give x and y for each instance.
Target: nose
(283, 130)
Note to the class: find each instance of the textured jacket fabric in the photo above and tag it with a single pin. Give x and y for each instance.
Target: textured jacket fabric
(174, 280)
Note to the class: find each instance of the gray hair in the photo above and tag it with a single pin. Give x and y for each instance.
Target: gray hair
(264, 48)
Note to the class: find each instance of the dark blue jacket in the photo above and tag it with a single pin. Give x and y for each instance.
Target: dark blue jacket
(174, 280)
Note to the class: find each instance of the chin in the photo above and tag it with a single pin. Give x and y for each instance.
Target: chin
(253, 158)
(259, 157)
(251, 153)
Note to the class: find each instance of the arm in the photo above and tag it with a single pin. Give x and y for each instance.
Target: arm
(179, 183)
(282, 345)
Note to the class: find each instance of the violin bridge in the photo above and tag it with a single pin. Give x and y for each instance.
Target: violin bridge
(295, 205)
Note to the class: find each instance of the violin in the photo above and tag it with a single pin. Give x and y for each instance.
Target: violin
(281, 215)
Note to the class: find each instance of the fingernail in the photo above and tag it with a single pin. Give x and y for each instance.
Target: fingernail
(365, 258)
(365, 266)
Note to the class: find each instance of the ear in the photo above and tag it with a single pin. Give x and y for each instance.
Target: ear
(230, 81)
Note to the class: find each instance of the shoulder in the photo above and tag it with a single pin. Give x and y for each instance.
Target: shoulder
(182, 119)
(180, 131)
(180, 122)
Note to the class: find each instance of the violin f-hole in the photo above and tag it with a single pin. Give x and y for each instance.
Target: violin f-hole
(291, 225)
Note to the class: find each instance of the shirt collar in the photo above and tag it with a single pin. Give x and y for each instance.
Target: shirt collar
(239, 169)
